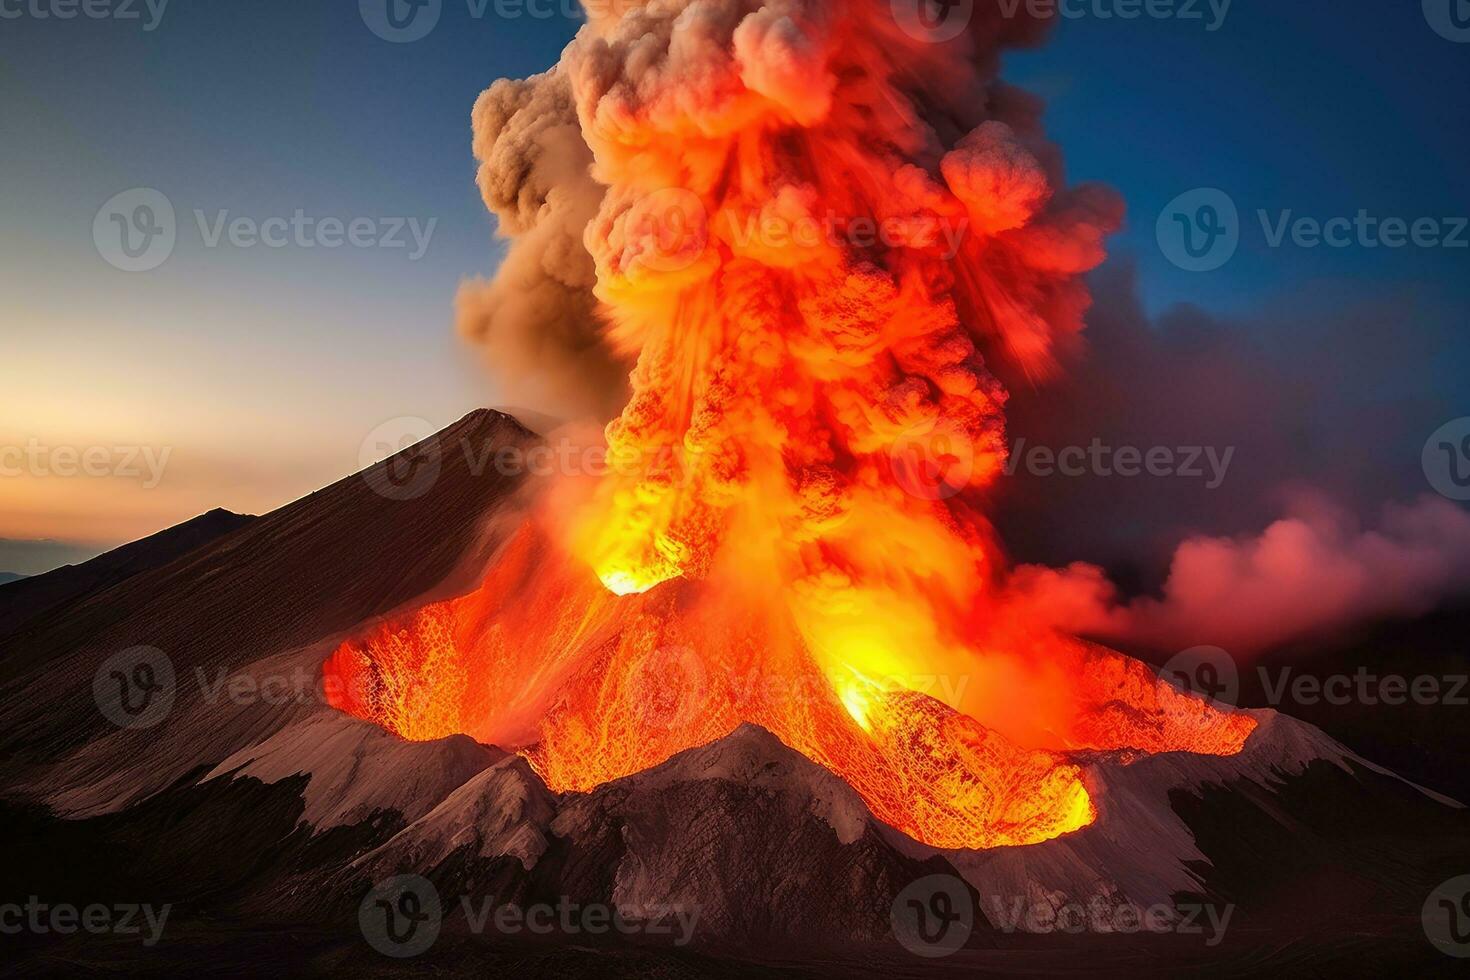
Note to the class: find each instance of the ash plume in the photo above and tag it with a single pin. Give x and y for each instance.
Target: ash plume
(536, 322)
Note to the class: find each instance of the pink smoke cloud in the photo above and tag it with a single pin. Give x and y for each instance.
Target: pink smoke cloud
(1309, 574)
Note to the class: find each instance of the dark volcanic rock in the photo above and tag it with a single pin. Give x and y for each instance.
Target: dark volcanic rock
(25, 601)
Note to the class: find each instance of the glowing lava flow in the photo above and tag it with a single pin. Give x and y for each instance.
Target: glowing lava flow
(813, 220)
(592, 687)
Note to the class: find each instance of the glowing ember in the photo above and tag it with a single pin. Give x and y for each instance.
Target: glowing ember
(813, 223)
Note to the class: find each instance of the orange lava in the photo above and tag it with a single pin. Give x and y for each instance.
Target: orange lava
(591, 686)
(824, 239)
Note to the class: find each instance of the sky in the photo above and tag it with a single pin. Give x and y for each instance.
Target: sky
(239, 375)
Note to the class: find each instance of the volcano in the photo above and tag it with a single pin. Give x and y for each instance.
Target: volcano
(728, 675)
(264, 806)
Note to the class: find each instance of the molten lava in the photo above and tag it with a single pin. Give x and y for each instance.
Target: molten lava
(814, 218)
(592, 686)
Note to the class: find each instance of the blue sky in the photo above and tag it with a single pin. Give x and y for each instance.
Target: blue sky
(265, 368)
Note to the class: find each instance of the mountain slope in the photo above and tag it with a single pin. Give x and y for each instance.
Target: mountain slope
(262, 811)
(26, 600)
(249, 603)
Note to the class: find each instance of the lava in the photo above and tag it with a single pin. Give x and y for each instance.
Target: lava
(822, 236)
(590, 687)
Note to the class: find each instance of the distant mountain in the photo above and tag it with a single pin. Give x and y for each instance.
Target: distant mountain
(25, 601)
(7, 577)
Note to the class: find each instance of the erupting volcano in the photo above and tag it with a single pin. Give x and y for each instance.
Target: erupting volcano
(821, 233)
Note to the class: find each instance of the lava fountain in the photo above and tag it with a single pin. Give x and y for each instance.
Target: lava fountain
(820, 227)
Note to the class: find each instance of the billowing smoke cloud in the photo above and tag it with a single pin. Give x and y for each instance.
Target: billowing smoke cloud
(1305, 576)
(537, 321)
(707, 119)
(1323, 411)
(1327, 393)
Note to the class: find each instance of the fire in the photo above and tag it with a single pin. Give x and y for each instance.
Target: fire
(815, 227)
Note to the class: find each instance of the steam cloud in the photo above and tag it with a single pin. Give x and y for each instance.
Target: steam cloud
(537, 321)
(1325, 406)
(1305, 575)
